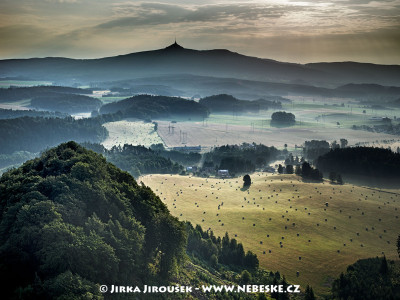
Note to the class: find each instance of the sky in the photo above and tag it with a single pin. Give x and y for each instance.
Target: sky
(284, 30)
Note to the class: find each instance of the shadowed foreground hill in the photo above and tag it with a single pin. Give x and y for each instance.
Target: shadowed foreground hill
(70, 221)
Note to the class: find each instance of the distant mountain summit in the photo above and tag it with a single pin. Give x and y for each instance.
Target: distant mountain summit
(174, 46)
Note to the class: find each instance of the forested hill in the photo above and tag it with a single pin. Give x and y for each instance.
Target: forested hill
(147, 106)
(228, 103)
(19, 93)
(70, 221)
(67, 103)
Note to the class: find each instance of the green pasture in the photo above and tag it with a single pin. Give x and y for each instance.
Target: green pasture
(286, 222)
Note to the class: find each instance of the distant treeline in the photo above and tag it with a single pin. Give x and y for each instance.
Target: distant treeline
(183, 158)
(35, 134)
(364, 161)
(20, 93)
(137, 160)
(240, 159)
(384, 128)
(152, 107)
(12, 114)
(230, 104)
(68, 103)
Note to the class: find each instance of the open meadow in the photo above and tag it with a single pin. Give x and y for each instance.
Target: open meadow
(130, 131)
(317, 229)
(324, 119)
(217, 134)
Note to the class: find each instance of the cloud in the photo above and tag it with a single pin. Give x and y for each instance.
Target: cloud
(279, 29)
(158, 13)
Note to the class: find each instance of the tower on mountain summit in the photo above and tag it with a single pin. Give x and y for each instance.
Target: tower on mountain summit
(173, 46)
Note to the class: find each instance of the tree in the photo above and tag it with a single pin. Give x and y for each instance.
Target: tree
(246, 180)
(289, 169)
(280, 169)
(339, 179)
(309, 293)
(298, 170)
(214, 261)
(343, 143)
(384, 269)
(332, 176)
(306, 169)
(245, 277)
(334, 145)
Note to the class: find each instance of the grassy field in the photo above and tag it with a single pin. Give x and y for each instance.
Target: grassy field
(324, 119)
(218, 133)
(287, 222)
(131, 131)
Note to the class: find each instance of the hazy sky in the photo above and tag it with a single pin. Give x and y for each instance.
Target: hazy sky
(286, 30)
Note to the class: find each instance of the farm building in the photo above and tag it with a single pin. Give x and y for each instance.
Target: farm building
(223, 173)
(269, 169)
(191, 169)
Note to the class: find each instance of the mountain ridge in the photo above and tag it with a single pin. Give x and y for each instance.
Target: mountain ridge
(175, 59)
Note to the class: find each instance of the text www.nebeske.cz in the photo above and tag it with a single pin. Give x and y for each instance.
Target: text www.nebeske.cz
(150, 289)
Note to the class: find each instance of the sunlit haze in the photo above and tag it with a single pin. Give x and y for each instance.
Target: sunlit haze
(293, 31)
